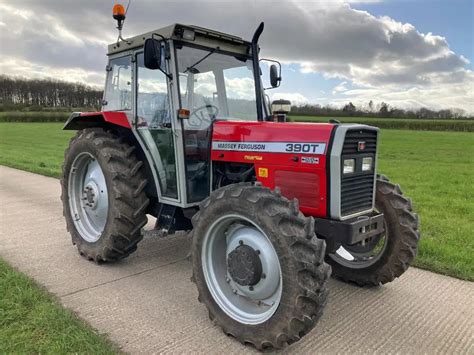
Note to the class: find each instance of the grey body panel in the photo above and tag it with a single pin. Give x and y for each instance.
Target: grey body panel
(335, 170)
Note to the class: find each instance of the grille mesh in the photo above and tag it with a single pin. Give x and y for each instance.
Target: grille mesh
(357, 189)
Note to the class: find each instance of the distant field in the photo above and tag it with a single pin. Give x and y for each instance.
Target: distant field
(399, 123)
(390, 123)
(434, 168)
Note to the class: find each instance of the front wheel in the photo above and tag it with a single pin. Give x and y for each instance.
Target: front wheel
(385, 257)
(258, 265)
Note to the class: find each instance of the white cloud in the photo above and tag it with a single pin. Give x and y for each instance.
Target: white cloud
(295, 97)
(240, 88)
(340, 88)
(378, 55)
(22, 68)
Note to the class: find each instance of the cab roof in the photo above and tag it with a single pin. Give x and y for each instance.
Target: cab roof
(202, 36)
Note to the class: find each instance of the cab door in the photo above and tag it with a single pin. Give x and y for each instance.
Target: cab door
(154, 124)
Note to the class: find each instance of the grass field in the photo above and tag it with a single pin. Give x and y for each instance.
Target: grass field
(32, 322)
(434, 168)
(399, 123)
(36, 147)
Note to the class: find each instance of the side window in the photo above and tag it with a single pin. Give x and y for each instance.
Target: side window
(153, 109)
(118, 92)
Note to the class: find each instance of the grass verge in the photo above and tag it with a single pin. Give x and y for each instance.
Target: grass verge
(435, 169)
(32, 322)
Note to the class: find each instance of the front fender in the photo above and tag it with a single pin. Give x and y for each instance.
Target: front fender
(81, 120)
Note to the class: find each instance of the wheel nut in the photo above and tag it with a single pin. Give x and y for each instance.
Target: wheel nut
(251, 288)
(241, 242)
(263, 276)
(257, 251)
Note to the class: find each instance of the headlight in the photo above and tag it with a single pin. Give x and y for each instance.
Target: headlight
(349, 165)
(367, 164)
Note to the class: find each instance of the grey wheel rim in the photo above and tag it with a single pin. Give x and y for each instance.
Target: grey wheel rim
(88, 197)
(245, 304)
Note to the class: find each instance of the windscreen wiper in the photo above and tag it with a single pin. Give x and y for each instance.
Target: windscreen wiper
(193, 70)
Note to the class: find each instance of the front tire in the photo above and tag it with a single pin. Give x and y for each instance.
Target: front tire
(103, 195)
(389, 255)
(258, 266)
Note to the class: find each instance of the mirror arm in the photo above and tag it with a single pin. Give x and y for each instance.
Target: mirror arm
(158, 35)
(279, 74)
(168, 75)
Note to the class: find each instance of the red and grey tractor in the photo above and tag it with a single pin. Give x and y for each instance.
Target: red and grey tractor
(187, 134)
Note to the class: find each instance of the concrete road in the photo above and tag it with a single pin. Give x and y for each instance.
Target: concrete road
(147, 303)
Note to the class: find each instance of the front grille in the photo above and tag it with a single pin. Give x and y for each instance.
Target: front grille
(361, 135)
(357, 189)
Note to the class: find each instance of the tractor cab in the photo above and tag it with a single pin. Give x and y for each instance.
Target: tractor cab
(173, 83)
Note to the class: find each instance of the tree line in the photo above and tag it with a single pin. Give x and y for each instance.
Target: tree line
(381, 110)
(46, 94)
(17, 94)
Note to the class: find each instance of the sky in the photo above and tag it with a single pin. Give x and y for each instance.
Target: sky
(408, 53)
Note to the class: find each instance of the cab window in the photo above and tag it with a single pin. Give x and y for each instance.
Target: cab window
(118, 92)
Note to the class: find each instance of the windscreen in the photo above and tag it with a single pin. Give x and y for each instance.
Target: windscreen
(214, 85)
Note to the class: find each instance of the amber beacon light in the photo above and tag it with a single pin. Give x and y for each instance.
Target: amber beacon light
(119, 14)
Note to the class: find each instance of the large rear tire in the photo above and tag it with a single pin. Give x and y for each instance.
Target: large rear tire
(387, 256)
(103, 196)
(258, 266)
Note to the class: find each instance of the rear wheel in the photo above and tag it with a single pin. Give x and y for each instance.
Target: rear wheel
(258, 265)
(103, 195)
(384, 257)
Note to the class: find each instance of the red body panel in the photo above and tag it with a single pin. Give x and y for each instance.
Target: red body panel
(115, 117)
(298, 175)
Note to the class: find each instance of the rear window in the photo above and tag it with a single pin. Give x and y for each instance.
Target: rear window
(118, 91)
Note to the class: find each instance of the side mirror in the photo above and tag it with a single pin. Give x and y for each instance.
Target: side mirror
(275, 77)
(152, 54)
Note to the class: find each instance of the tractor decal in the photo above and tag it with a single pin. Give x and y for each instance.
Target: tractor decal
(272, 147)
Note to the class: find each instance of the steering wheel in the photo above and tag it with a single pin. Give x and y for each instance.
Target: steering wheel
(199, 116)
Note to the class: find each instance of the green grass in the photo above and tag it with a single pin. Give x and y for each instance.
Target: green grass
(435, 169)
(35, 147)
(399, 123)
(32, 322)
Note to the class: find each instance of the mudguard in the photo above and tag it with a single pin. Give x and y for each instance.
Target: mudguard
(80, 120)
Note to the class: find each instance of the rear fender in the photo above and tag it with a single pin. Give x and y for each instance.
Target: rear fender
(81, 120)
(118, 120)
